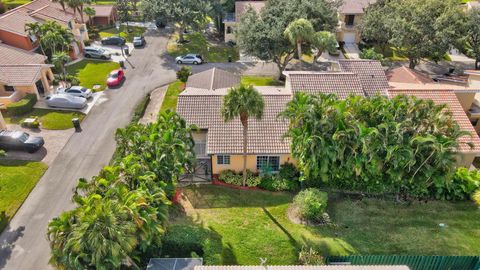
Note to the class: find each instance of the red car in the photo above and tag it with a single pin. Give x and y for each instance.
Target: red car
(115, 78)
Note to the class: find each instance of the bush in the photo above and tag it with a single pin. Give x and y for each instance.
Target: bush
(289, 171)
(461, 187)
(311, 203)
(285, 180)
(34, 124)
(476, 197)
(184, 241)
(183, 74)
(309, 256)
(233, 178)
(23, 106)
(93, 32)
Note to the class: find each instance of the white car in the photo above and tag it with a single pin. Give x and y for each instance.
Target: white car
(189, 59)
(66, 101)
(77, 91)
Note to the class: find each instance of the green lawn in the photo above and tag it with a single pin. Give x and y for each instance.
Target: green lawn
(254, 224)
(50, 119)
(199, 44)
(92, 72)
(171, 97)
(17, 179)
(10, 4)
(135, 32)
(261, 81)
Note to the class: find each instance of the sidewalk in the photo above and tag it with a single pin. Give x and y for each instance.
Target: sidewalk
(153, 108)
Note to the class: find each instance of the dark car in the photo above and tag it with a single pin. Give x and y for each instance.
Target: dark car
(19, 140)
(139, 41)
(113, 40)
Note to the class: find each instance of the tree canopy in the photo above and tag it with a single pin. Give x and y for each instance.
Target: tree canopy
(401, 145)
(471, 35)
(262, 35)
(416, 28)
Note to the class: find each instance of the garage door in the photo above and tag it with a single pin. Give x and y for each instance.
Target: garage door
(349, 37)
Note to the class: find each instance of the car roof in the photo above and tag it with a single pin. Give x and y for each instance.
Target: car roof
(77, 87)
(92, 48)
(11, 133)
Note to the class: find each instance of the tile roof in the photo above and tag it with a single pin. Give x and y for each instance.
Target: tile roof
(14, 56)
(371, 74)
(20, 75)
(103, 10)
(341, 83)
(213, 79)
(354, 6)
(15, 21)
(406, 75)
(242, 6)
(303, 267)
(265, 135)
(449, 98)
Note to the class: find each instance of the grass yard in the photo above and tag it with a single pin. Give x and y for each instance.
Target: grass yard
(261, 81)
(112, 31)
(199, 44)
(50, 119)
(92, 72)
(17, 179)
(171, 97)
(254, 224)
(10, 4)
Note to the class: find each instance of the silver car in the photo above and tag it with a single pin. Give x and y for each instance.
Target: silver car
(66, 101)
(189, 59)
(77, 91)
(94, 52)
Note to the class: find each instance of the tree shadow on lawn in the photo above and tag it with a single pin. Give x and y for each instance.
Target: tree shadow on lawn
(210, 196)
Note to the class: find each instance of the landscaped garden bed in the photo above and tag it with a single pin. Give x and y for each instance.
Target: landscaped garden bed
(17, 179)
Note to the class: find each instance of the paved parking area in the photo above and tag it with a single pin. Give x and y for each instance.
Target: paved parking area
(41, 104)
(54, 142)
(115, 50)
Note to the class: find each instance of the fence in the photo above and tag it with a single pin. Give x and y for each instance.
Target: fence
(414, 262)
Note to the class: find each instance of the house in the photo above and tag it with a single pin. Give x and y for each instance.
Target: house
(22, 72)
(232, 19)
(350, 16)
(221, 143)
(12, 24)
(104, 15)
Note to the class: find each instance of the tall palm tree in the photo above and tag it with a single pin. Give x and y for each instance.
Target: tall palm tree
(243, 102)
(298, 32)
(323, 41)
(59, 60)
(90, 12)
(35, 29)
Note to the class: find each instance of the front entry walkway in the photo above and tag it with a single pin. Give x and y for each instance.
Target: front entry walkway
(352, 51)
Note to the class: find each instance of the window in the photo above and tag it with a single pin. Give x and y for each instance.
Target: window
(9, 88)
(223, 160)
(349, 20)
(272, 162)
(229, 30)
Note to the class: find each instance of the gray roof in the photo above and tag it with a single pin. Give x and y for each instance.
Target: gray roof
(213, 79)
(371, 74)
(174, 263)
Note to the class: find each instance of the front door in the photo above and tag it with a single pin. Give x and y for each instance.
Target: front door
(40, 88)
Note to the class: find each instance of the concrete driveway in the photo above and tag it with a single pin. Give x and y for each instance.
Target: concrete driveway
(23, 243)
(41, 104)
(116, 52)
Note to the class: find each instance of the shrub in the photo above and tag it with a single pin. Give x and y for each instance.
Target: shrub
(476, 197)
(461, 187)
(93, 32)
(23, 106)
(3, 153)
(309, 256)
(253, 181)
(34, 124)
(289, 171)
(183, 241)
(183, 74)
(311, 203)
(277, 183)
(231, 177)
(371, 54)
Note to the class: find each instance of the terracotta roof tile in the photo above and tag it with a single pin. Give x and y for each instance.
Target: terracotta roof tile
(449, 98)
(371, 74)
(103, 10)
(355, 6)
(342, 84)
(20, 75)
(213, 79)
(406, 75)
(14, 56)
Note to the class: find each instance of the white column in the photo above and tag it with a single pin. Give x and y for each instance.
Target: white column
(3, 124)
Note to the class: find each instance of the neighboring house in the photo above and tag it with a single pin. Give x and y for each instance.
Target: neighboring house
(104, 15)
(12, 24)
(350, 16)
(22, 72)
(473, 4)
(221, 143)
(232, 19)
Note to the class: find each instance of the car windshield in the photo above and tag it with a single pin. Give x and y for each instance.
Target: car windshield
(137, 38)
(23, 137)
(101, 50)
(114, 75)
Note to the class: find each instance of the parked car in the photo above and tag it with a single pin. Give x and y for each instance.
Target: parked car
(189, 59)
(113, 40)
(66, 101)
(139, 41)
(78, 91)
(100, 53)
(19, 140)
(115, 78)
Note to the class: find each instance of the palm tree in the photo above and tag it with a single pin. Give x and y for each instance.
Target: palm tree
(90, 13)
(59, 60)
(35, 29)
(243, 102)
(323, 41)
(299, 31)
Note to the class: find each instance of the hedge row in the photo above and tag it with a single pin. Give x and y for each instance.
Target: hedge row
(23, 106)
